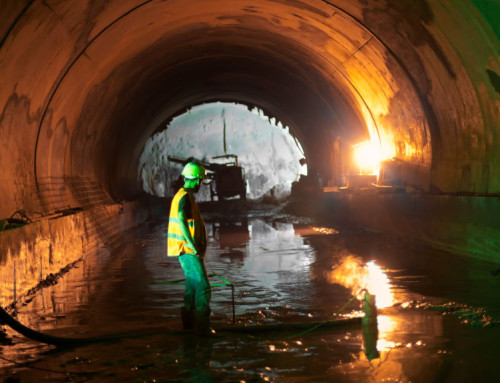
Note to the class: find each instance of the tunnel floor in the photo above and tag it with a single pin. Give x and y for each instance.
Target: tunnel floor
(443, 325)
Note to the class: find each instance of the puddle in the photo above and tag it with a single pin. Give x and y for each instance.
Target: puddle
(442, 325)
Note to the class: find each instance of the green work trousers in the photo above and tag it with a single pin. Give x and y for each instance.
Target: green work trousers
(198, 293)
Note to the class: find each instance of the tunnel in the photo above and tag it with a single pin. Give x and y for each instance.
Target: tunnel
(85, 84)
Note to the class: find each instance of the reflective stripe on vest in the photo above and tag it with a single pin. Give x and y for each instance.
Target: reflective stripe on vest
(177, 245)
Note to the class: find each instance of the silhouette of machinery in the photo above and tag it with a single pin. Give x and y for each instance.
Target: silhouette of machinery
(226, 179)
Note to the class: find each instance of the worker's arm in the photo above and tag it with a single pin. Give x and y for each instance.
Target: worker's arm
(181, 216)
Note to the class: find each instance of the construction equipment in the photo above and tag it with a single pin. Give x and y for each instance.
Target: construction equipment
(225, 179)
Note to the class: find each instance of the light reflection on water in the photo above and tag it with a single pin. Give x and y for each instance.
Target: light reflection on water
(274, 251)
(386, 326)
(280, 273)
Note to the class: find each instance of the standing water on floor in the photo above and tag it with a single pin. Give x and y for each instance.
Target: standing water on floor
(437, 312)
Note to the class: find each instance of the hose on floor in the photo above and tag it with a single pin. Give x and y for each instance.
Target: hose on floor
(7, 319)
(326, 321)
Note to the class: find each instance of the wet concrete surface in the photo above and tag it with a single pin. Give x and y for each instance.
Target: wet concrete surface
(442, 325)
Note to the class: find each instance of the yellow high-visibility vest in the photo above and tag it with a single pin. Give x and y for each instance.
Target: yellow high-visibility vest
(177, 245)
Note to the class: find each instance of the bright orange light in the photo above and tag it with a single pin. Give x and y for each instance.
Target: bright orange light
(355, 275)
(377, 283)
(325, 230)
(367, 157)
(386, 326)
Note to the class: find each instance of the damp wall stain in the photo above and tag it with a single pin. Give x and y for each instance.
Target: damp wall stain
(31, 253)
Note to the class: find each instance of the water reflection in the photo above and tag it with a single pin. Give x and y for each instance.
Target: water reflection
(231, 235)
(353, 273)
(279, 269)
(274, 252)
(232, 238)
(386, 326)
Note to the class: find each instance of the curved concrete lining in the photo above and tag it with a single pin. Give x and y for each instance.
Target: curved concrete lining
(85, 83)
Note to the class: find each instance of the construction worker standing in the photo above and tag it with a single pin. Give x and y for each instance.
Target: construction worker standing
(187, 239)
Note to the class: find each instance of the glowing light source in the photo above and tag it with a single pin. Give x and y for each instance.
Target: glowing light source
(378, 284)
(367, 157)
(352, 273)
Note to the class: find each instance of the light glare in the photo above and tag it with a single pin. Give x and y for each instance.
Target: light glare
(367, 157)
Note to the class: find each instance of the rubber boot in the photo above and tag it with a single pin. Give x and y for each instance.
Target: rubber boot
(202, 323)
(187, 319)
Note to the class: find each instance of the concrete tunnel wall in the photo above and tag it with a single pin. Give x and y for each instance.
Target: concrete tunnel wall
(84, 83)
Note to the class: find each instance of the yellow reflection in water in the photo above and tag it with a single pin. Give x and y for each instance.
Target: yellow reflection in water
(354, 274)
(378, 284)
(386, 325)
(325, 230)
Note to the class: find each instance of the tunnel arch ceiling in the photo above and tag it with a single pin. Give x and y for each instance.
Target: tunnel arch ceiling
(85, 83)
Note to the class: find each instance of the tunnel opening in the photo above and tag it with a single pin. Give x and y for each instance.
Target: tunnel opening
(86, 84)
(217, 133)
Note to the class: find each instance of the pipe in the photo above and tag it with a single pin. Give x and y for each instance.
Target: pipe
(44, 338)
(6, 318)
(370, 327)
(275, 327)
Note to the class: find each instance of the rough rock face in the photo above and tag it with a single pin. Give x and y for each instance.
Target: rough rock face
(267, 152)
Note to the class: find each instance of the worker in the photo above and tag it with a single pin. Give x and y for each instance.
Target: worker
(187, 239)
